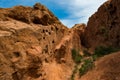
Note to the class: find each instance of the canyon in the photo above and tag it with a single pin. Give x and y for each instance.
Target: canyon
(35, 45)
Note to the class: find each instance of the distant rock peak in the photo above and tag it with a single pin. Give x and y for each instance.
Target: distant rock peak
(39, 14)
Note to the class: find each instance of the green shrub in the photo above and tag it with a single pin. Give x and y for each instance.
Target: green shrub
(88, 65)
(94, 57)
(76, 56)
(74, 72)
(101, 51)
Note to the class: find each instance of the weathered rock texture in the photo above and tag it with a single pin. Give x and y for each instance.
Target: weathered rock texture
(39, 14)
(103, 28)
(34, 45)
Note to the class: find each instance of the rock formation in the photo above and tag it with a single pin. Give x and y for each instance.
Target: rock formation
(103, 26)
(39, 14)
(35, 45)
(103, 29)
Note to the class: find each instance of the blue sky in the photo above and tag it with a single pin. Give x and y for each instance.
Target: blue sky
(69, 12)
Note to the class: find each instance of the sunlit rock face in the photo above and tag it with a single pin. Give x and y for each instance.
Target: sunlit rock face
(35, 45)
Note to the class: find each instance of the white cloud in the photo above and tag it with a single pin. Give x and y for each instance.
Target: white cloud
(78, 8)
(69, 22)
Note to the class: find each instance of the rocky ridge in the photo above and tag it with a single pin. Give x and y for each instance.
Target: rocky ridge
(35, 45)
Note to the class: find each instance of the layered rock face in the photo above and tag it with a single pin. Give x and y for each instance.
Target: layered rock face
(35, 45)
(103, 28)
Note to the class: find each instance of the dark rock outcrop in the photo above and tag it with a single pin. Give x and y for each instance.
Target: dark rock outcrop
(103, 28)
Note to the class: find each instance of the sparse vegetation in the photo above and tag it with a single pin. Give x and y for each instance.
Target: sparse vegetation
(74, 72)
(76, 56)
(87, 61)
(86, 66)
(77, 59)
(101, 51)
(94, 57)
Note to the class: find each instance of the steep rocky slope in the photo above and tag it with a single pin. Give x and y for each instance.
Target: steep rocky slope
(35, 45)
(103, 28)
(106, 68)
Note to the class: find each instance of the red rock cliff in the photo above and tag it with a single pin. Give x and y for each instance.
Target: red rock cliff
(35, 45)
(103, 28)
